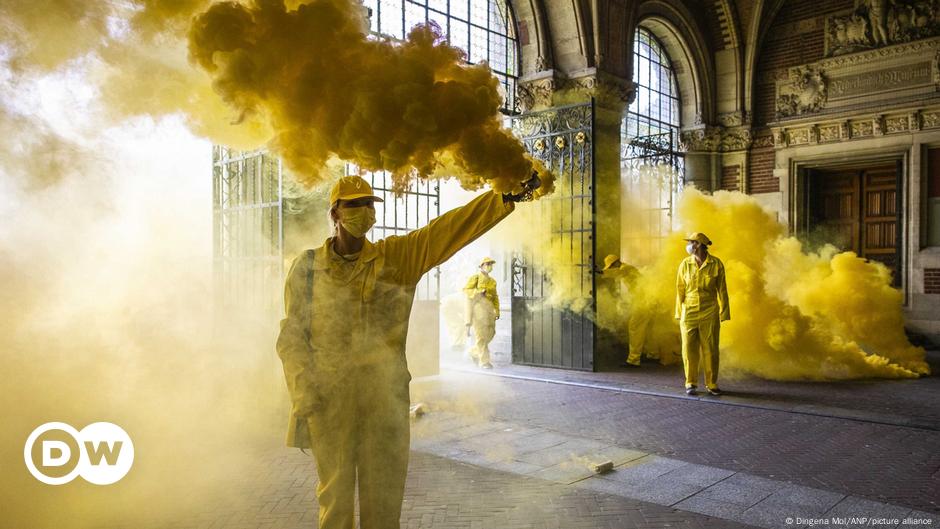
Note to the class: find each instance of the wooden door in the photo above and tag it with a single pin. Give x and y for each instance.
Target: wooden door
(857, 210)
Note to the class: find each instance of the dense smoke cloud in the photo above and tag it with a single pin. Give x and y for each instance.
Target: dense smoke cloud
(411, 108)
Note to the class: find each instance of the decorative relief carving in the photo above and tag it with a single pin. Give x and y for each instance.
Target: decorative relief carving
(731, 119)
(798, 136)
(736, 139)
(622, 90)
(930, 120)
(897, 124)
(861, 129)
(805, 92)
(762, 142)
(878, 125)
(703, 139)
(534, 95)
(877, 23)
(715, 139)
(829, 133)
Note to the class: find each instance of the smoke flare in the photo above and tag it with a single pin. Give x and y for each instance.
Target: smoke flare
(412, 108)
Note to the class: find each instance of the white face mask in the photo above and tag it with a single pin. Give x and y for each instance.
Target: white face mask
(689, 249)
(357, 221)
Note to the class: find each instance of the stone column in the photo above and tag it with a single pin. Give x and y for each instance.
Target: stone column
(611, 96)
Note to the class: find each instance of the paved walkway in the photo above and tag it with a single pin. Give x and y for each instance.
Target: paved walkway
(500, 450)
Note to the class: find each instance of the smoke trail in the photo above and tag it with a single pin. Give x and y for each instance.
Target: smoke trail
(795, 315)
(411, 108)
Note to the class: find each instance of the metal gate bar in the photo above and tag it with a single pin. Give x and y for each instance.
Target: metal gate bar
(545, 334)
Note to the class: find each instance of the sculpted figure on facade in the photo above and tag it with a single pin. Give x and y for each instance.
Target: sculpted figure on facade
(876, 23)
(806, 93)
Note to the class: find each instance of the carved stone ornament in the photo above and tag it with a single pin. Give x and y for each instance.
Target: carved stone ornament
(876, 23)
(762, 142)
(731, 119)
(805, 92)
(536, 94)
(931, 120)
(862, 129)
(705, 139)
(736, 139)
(829, 133)
(897, 124)
(601, 86)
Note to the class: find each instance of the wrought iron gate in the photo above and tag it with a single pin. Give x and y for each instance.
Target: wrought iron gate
(248, 231)
(549, 327)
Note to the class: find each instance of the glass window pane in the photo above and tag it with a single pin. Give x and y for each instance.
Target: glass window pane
(390, 19)
(498, 16)
(374, 19)
(497, 52)
(478, 44)
(440, 19)
(440, 5)
(414, 15)
(459, 34)
(458, 9)
(479, 12)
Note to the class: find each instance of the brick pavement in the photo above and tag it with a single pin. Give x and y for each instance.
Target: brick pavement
(441, 493)
(891, 464)
(683, 463)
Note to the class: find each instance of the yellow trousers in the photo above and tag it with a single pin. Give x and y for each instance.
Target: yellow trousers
(484, 329)
(638, 326)
(700, 342)
(362, 430)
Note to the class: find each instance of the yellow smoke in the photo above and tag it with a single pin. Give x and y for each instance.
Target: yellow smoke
(410, 108)
(794, 314)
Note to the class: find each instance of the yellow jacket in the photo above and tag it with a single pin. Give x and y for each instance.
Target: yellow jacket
(701, 293)
(358, 319)
(626, 274)
(481, 283)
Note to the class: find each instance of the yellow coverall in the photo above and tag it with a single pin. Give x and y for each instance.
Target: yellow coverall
(348, 378)
(701, 304)
(483, 313)
(639, 321)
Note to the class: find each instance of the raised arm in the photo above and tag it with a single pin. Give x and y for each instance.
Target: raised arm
(423, 249)
(292, 344)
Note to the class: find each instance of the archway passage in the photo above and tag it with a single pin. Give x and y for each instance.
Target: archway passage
(652, 165)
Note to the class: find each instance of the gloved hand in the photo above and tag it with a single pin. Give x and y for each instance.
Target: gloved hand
(528, 188)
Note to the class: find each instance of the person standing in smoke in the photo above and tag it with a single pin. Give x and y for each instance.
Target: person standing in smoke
(701, 306)
(342, 344)
(482, 312)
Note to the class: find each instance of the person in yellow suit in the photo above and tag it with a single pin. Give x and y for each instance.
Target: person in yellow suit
(342, 344)
(638, 321)
(701, 306)
(482, 312)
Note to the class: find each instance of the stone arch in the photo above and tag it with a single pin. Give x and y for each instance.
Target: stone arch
(685, 43)
(764, 13)
(534, 37)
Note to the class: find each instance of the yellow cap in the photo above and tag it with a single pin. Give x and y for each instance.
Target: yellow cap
(487, 260)
(351, 188)
(610, 260)
(700, 237)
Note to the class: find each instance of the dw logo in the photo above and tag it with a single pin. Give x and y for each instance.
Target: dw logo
(102, 453)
